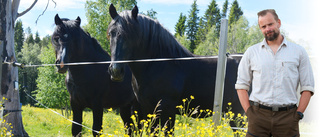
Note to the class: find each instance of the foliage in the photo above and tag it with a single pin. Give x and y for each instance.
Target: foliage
(97, 13)
(210, 46)
(51, 91)
(183, 40)
(254, 36)
(212, 16)
(4, 132)
(235, 12)
(29, 39)
(37, 39)
(28, 55)
(224, 9)
(180, 27)
(151, 13)
(192, 25)
(202, 32)
(237, 36)
(45, 41)
(18, 36)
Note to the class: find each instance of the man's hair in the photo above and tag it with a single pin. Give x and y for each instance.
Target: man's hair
(264, 12)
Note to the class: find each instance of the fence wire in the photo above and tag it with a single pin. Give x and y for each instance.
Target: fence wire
(102, 62)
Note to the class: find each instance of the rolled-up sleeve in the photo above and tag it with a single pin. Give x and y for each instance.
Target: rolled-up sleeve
(306, 73)
(244, 77)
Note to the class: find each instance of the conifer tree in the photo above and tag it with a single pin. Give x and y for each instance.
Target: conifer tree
(180, 27)
(202, 32)
(212, 15)
(225, 9)
(235, 12)
(19, 36)
(192, 25)
(37, 39)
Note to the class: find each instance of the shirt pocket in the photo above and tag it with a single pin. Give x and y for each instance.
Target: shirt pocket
(290, 69)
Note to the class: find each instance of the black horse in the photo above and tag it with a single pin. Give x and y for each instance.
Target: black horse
(133, 36)
(89, 86)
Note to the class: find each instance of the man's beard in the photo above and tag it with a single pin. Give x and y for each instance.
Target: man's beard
(273, 36)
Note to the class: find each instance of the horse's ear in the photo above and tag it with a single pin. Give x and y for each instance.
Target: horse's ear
(113, 11)
(78, 21)
(134, 12)
(57, 20)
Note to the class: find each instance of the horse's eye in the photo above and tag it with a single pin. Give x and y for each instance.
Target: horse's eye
(65, 35)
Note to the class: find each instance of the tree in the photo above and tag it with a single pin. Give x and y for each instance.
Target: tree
(235, 12)
(51, 90)
(151, 13)
(210, 46)
(254, 35)
(29, 55)
(37, 39)
(238, 36)
(212, 16)
(202, 32)
(18, 36)
(29, 39)
(45, 41)
(192, 25)
(9, 76)
(97, 13)
(224, 9)
(180, 27)
(183, 40)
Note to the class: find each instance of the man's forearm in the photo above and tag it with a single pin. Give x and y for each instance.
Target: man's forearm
(244, 99)
(304, 101)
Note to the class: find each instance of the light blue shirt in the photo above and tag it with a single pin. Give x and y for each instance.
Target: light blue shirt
(275, 77)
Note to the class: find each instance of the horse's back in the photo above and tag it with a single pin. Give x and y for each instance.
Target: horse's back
(202, 79)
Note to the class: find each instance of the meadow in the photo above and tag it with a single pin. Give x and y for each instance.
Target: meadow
(39, 122)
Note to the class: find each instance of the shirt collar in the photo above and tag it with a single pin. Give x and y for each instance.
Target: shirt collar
(284, 42)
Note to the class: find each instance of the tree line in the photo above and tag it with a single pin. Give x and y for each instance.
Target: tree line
(199, 34)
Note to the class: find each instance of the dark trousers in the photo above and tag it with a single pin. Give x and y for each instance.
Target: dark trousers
(267, 123)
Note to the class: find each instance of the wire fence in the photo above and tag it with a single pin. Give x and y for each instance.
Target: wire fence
(22, 65)
(108, 62)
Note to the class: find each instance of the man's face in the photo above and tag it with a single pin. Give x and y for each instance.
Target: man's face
(269, 26)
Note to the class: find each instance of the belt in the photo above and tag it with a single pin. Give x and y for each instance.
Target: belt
(274, 108)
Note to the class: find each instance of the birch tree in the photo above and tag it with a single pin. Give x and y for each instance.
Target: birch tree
(9, 76)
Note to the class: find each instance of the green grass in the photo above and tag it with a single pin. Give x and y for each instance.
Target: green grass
(39, 122)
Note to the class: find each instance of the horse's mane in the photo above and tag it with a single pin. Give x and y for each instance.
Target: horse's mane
(154, 37)
(76, 30)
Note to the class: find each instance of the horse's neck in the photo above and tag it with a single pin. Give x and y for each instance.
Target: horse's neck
(92, 51)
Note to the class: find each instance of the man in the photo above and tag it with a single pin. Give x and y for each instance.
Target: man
(275, 67)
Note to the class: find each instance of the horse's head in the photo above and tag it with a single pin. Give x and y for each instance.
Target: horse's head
(63, 41)
(122, 37)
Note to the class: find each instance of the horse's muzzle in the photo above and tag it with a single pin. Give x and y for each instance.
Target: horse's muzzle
(61, 67)
(116, 72)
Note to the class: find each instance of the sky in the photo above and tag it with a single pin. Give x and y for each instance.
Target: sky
(300, 19)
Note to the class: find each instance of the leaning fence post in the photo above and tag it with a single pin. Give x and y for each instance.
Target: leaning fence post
(221, 70)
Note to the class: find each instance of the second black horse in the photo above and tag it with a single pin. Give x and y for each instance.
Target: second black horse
(134, 36)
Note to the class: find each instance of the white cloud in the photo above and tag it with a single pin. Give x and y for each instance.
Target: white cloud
(54, 5)
(187, 2)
